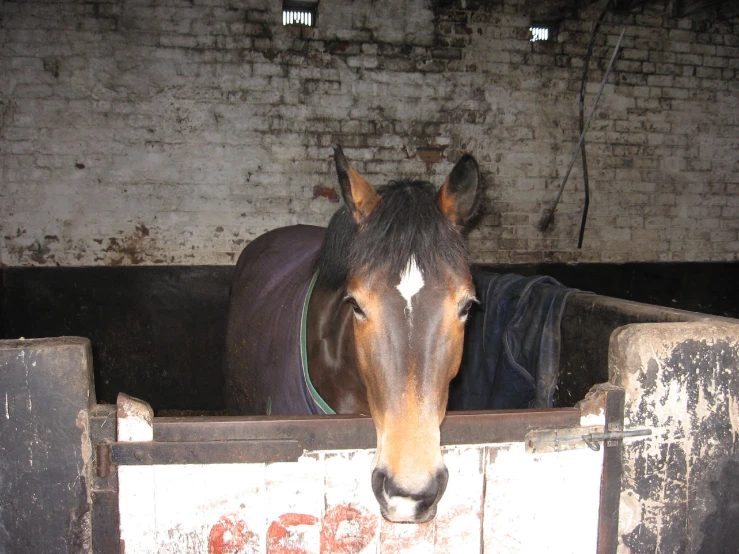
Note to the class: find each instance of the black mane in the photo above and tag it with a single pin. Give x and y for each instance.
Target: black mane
(406, 223)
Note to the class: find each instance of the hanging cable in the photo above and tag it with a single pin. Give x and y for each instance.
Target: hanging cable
(586, 182)
(548, 215)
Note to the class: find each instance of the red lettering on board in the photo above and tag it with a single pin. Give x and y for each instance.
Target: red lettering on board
(286, 534)
(230, 536)
(346, 530)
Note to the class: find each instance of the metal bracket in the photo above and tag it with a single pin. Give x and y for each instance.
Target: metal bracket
(558, 440)
(611, 438)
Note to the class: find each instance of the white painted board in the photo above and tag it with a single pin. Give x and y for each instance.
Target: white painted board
(498, 497)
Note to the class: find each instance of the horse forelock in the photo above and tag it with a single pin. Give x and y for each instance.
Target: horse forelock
(406, 226)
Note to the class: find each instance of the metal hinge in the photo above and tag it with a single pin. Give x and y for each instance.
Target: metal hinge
(573, 438)
(103, 459)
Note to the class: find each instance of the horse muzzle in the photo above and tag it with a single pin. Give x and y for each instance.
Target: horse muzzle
(400, 505)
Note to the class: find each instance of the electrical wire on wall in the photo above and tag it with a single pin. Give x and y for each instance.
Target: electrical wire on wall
(586, 65)
(548, 215)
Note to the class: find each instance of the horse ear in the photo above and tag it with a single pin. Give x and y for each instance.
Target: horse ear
(459, 197)
(359, 196)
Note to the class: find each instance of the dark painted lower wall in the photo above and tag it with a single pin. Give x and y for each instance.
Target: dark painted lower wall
(157, 332)
(709, 288)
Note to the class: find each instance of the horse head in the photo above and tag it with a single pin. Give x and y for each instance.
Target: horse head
(408, 283)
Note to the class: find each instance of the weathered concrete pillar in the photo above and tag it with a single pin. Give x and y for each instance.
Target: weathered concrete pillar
(680, 488)
(46, 390)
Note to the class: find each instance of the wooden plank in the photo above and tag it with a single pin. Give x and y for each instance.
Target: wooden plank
(104, 513)
(351, 520)
(294, 505)
(137, 500)
(406, 538)
(684, 8)
(105, 534)
(346, 432)
(610, 487)
(459, 517)
(210, 508)
(524, 493)
(324, 503)
(207, 452)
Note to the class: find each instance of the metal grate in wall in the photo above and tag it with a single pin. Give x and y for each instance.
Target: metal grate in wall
(539, 33)
(299, 13)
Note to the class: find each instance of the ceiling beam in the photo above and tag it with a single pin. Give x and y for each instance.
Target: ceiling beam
(684, 8)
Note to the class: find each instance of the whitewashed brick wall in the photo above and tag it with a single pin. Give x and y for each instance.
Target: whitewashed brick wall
(176, 131)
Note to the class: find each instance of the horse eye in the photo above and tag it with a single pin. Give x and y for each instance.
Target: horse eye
(465, 309)
(355, 306)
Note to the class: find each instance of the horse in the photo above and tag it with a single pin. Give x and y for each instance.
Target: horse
(366, 316)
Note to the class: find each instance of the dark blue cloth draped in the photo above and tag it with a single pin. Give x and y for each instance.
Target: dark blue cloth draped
(512, 344)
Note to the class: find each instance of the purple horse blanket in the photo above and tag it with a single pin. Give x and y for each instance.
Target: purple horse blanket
(267, 371)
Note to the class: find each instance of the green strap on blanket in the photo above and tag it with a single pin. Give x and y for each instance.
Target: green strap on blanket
(304, 352)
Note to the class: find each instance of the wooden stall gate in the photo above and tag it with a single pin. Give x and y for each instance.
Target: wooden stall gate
(565, 480)
(518, 481)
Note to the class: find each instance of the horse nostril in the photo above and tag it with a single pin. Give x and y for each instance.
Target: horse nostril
(442, 478)
(392, 490)
(429, 496)
(378, 482)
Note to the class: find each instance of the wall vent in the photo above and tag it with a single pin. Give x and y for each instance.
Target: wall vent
(299, 13)
(540, 32)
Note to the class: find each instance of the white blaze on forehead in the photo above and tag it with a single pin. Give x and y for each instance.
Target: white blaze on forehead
(411, 281)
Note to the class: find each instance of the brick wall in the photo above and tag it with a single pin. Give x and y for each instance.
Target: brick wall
(176, 131)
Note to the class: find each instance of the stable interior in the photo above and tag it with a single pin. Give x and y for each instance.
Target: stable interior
(157, 332)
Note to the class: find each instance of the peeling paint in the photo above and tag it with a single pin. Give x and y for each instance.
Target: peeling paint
(83, 424)
(29, 406)
(347, 530)
(324, 503)
(85, 525)
(132, 249)
(136, 420)
(291, 534)
(231, 535)
(630, 511)
(734, 417)
(588, 420)
(677, 383)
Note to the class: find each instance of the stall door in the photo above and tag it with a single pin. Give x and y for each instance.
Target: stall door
(520, 482)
